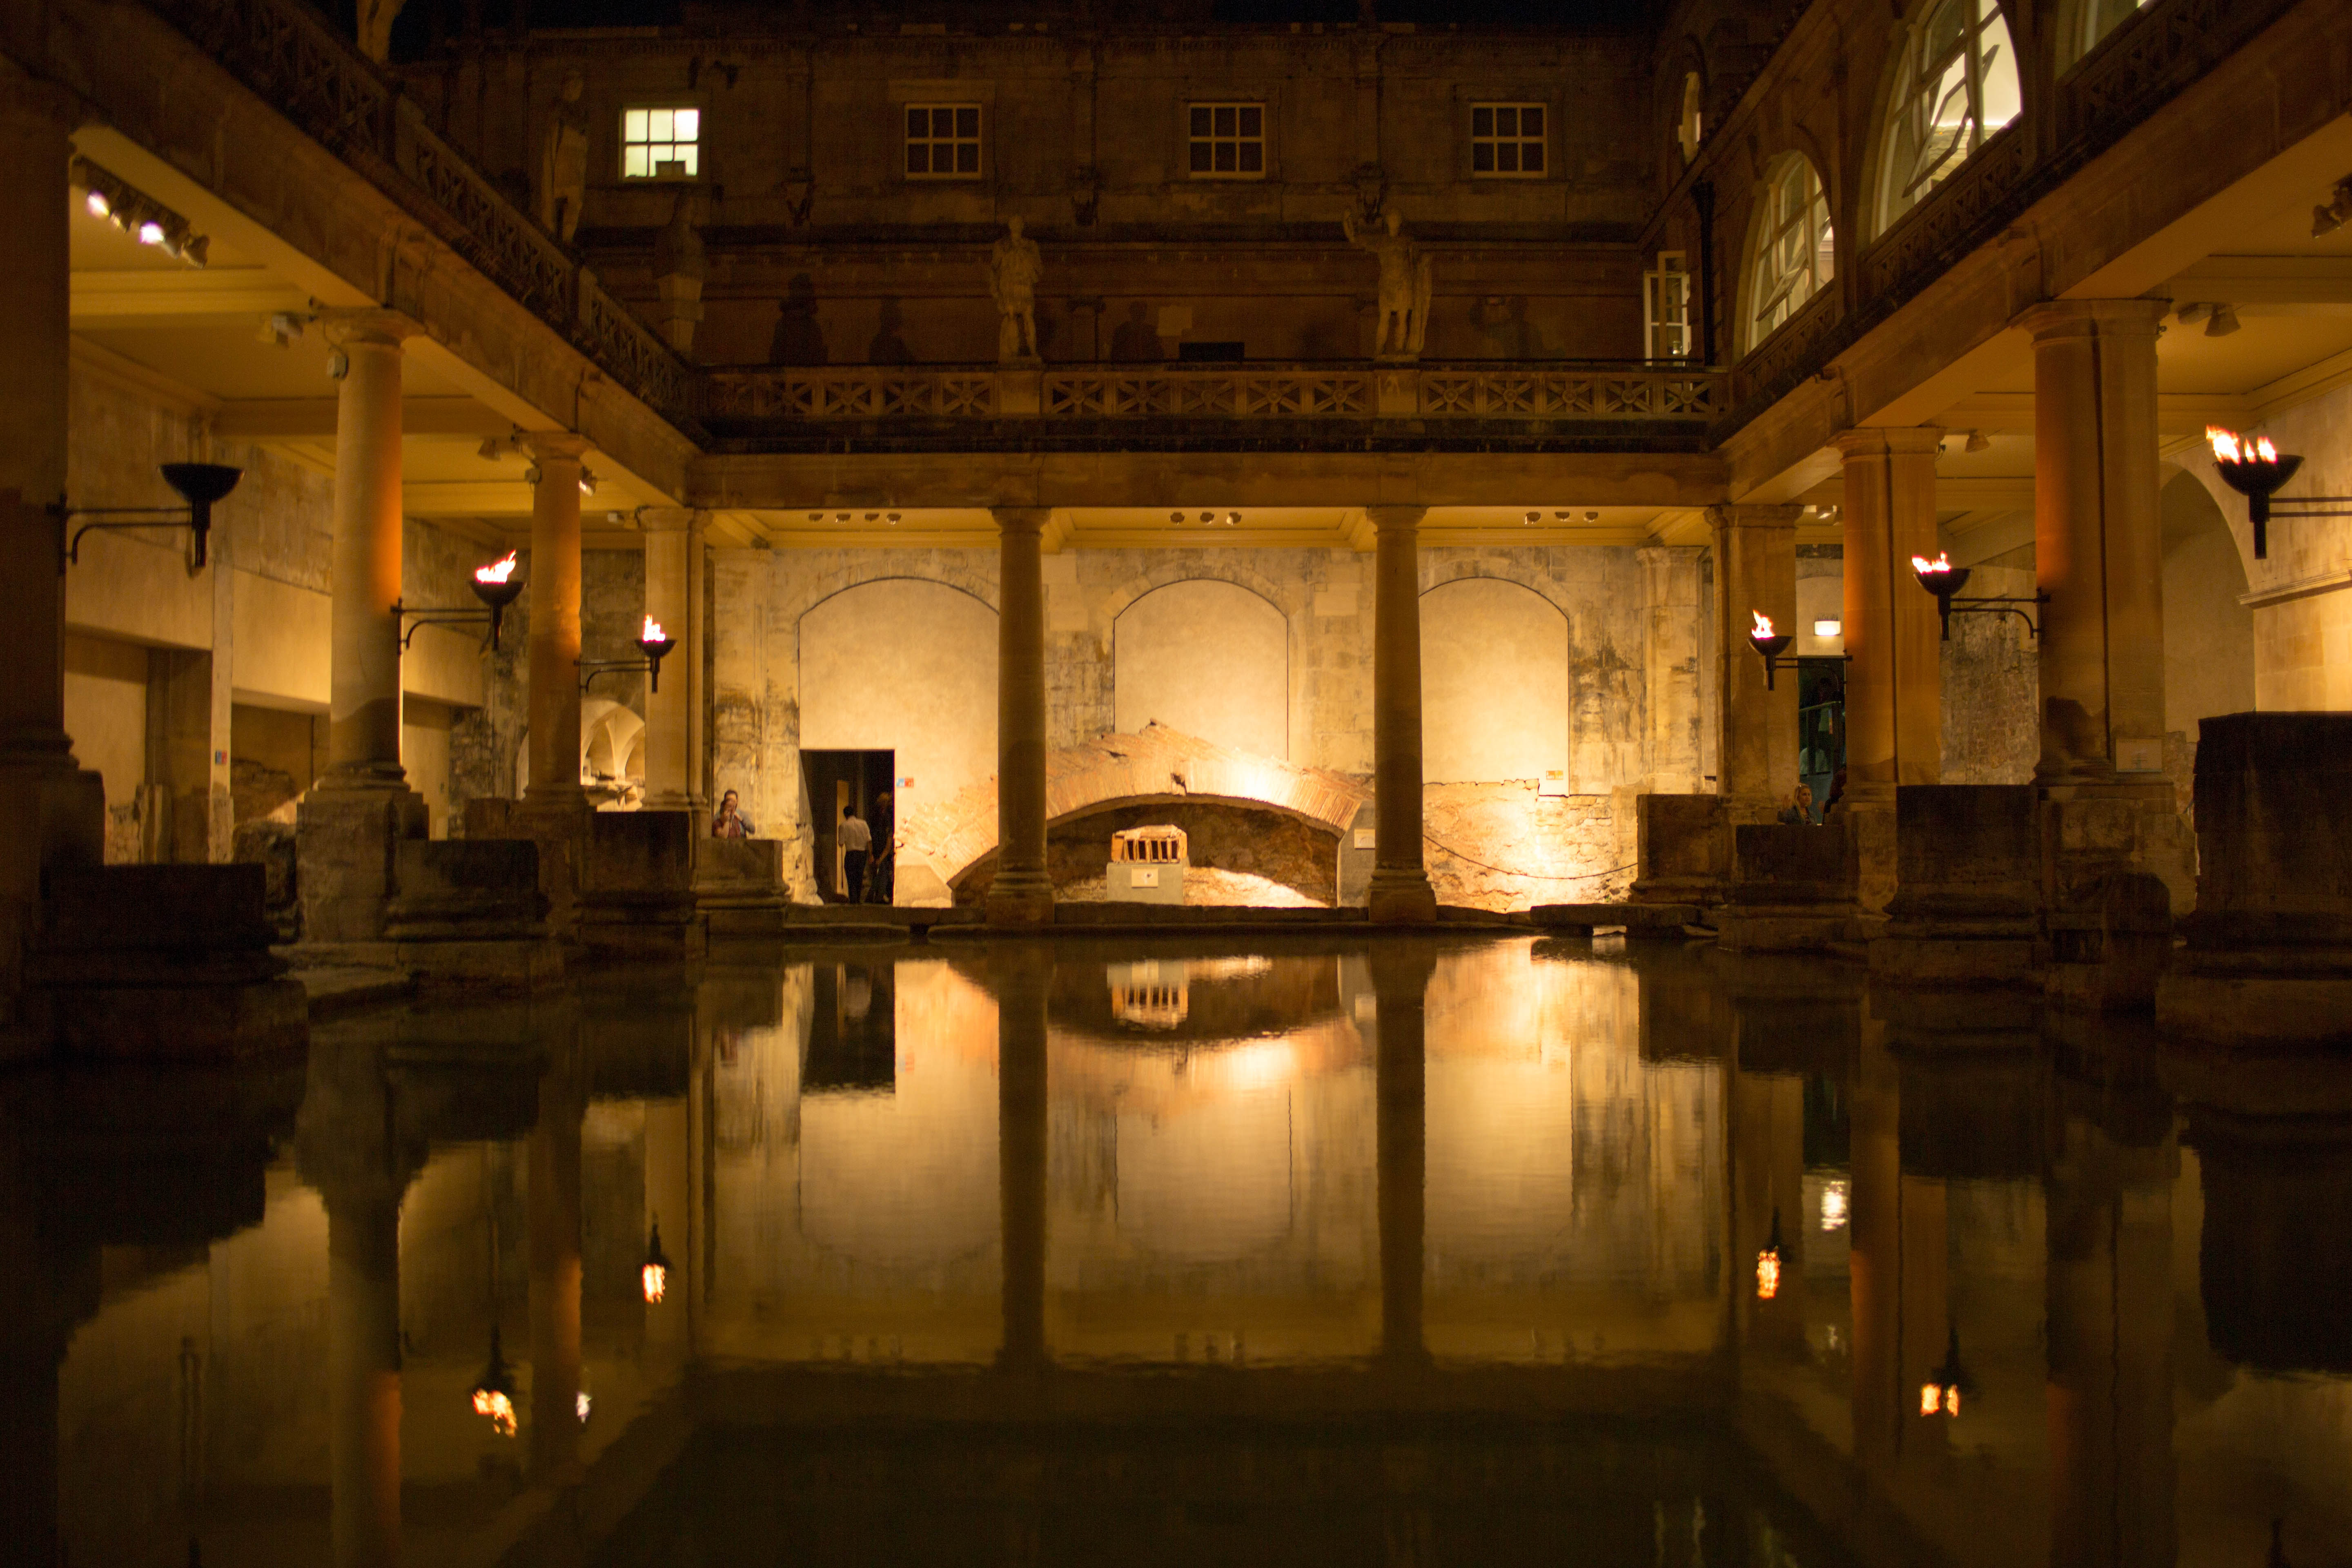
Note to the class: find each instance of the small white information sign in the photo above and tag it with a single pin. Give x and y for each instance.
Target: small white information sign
(1367, 838)
(1143, 877)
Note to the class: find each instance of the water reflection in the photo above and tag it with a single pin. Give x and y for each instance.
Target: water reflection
(1419, 1252)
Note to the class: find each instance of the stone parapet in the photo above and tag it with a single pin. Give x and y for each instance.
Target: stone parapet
(559, 829)
(1792, 889)
(2269, 954)
(636, 890)
(1683, 853)
(346, 842)
(1968, 867)
(739, 885)
(470, 913)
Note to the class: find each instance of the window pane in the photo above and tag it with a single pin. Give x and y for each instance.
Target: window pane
(968, 122)
(919, 121)
(1506, 121)
(1200, 157)
(1224, 156)
(691, 155)
(1200, 120)
(635, 164)
(1481, 158)
(659, 124)
(1253, 120)
(1506, 157)
(968, 158)
(1531, 157)
(918, 157)
(1531, 120)
(633, 125)
(1252, 157)
(690, 124)
(943, 123)
(1226, 119)
(1482, 122)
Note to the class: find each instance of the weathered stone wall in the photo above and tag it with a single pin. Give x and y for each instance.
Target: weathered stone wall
(1237, 856)
(1992, 683)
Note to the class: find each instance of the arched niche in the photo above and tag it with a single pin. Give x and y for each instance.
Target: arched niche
(1207, 659)
(1493, 682)
(2209, 635)
(909, 666)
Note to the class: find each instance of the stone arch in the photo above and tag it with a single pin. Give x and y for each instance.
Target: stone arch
(1207, 656)
(906, 665)
(1289, 600)
(1494, 682)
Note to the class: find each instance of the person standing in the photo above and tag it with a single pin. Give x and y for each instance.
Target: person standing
(731, 822)
(857, 841)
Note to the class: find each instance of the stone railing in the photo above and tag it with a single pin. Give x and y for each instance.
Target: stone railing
(1621, 394)
(1953, 218)
(296, 62)
(1790, 353)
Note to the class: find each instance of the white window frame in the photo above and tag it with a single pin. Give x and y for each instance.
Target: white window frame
(1214, 138)
(691, 143)
(1517, 142)
(1936, 121)
(1794, 256)
(977, 141)
(1666, 332)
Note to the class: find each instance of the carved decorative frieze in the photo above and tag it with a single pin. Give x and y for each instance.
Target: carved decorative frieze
(1789, 354)
(1952, 218)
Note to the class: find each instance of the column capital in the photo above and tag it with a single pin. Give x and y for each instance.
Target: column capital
(28, 100)
(1746, 516)
(1888, 441)
(667, 518)
(1386, 517)
(2093, 317)
(554, 446)
(1020, 519)
(368, 325)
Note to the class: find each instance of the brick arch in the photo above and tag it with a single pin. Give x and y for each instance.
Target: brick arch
(1111, 771)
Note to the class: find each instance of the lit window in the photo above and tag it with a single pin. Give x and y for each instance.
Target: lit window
(1665, 297)
(1795, 252)
(661, 143)
(1227, 139)
(943, 141)
(1688, 130)
(1958, 86)
(1506, 139)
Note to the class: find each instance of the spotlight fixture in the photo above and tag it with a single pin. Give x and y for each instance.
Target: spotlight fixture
(1560, 516)
(2334, 213)
(873, 517)
(1978, 442)
(1535, 517)
(1208, 517)
(841, 517)
(1593, 517)
(893, 519)
(1829, 628)
(1175, 517)
(199, 484)
(1232, 520)
(816, 517)
(281, 328)
(1769, 646)
(2222, 321)
(587, 483)
(108, 196)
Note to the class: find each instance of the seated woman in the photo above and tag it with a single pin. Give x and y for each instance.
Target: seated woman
(731, 822)
(1799, 812)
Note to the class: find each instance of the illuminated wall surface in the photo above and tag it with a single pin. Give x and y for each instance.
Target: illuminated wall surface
(2024, 1325)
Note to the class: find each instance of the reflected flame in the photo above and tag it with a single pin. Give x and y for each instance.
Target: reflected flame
(1833, 1202)
(1942, 562)
(1768, 1274)
(653, 632)
(497, 571)
(1931, 1398)
(656, 1279)
(498, 1409)
(582, 1406)
(2229, 448)
(1763, 624)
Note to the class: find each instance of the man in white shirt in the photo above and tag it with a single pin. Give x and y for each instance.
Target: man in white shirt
(857, 841)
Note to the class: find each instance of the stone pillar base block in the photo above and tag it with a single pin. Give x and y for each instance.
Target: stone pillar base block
(1020, 898)
(1792, 890)
(636, 894)
(2251, 1005)
(1808, 928)
(1684, 849)
(345, 843)
(1400, 897)
(1953, 960)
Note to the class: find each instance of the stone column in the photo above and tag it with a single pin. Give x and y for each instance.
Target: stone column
(1893, 686)
(2098, 540)
(51, 812)
(1400, 988)
(1671, 615)
(673, 540)
(361, 805)
(1400, 891)
(555, 617)
(1021, 893)
(1755, 571)
(1023, 976)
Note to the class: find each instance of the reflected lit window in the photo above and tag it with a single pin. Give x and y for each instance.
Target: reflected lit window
(1227, 140)
(1507, 140)
(1794, 253)
(1958, 85)
(661, 143)
(943, 141)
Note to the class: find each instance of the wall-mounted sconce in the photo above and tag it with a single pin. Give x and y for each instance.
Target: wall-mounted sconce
(200, 484)
(1944, 580)
(2258, 471)
(498, 585)
(652, 640)
(1769, 644)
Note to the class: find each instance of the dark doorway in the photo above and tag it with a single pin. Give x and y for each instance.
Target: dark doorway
(858, 779)
(1821, 724)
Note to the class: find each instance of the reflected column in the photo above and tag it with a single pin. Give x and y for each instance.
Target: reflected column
(1400, 973)
(1022, 975)
(554, 1222)
(347, 1147)
(1768, 1161)
(1875, 1268)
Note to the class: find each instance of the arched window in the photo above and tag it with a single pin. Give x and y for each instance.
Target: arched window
(1688, 129)
(1958, 86)
(1795, 253)
(2094, 20)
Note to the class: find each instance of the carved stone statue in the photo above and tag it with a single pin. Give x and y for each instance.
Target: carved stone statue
(1407, 276)
(564, 162)
(1014, 266)
(678, 271)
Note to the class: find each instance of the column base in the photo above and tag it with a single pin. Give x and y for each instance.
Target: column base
(1401, 897)
(345, 841)
(557, 822)
(57, 817)
(1021, 899)
(636, 897)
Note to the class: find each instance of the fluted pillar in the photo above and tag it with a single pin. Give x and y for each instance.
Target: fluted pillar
(673, 549)
(1022, 975)
(1400, 891)
(555, 617)
(2097, 538)
(51, 812)
(1756, 572)
(1023, 892)
(1400, 977)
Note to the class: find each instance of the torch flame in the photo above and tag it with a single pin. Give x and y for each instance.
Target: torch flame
(653, 632)
(1768, 1274)
(656, 1279)
(1931, 1398)
(497, 571)
(2225, 445)
(2264, 450)
(498, 1409)
(1763, 624)
(1942, 562)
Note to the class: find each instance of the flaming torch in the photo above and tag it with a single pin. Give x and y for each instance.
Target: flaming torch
(498, 585)
(1943, 579)
(1768, 644)
(2256, 471)
(656, 644)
